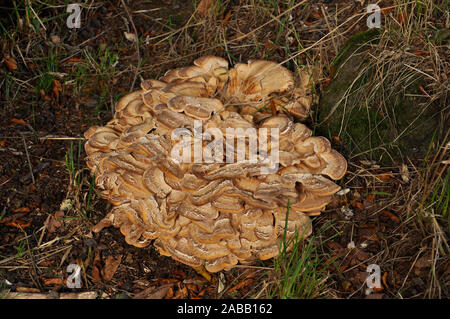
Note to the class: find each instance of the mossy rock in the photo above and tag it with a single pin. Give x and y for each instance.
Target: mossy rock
(349, 109)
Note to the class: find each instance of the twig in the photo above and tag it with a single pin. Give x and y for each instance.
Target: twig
(28, 159)
(137, 45)
(37, 17)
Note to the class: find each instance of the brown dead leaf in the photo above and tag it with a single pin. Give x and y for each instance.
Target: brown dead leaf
(193, 288)
(226, 19)
(169, 294)
(361, 255)
(167, 280)
(53, 281)
(391, 216)
(421, 52)
(370, 198)
(423, 262)
(96, 266)
(18, 121)
(10, 63)
(179, 273)
(358, 204)
(55, 221)
(386, 176)
(317, 14)
(56, 87)
(154, 292)
(111, 265)
(240, 285)
(22, 210)
(18, 224)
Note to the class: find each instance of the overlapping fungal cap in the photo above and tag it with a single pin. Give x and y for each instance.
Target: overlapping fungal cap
(213, 213)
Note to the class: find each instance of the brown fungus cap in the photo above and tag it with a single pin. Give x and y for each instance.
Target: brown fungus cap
(215, 214)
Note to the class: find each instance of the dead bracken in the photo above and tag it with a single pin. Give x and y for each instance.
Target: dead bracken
(214, 215)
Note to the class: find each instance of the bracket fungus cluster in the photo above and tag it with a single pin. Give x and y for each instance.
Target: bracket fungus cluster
(215, 213)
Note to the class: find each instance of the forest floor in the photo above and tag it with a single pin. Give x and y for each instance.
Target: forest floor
(56, 82)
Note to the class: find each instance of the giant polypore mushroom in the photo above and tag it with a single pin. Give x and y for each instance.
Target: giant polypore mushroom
(214, 214)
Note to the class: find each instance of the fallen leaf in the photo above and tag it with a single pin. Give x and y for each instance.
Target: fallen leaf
(180, 273)
(46, 263)
(423, 262)
(370, 198)
(386, 176)
(18, 121)
(55, 221)
(155, 292)
(111, 265)
(53, 281)
(10, 63)
(361, 255)
(18, 224)
(22, 210)
(317, 14)
(96, 266)
(390, 215)
(242, 284)
(193, 288)
(421, 52)
(167, 280)
(2, 143)
(358, 204)
(169, 294)
(226, 19)
(56, 87)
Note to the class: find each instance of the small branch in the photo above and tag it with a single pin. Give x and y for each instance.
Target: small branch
(28, 159)
(137, 44)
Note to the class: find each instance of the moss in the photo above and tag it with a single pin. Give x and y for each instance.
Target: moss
(374, 128)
